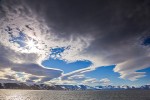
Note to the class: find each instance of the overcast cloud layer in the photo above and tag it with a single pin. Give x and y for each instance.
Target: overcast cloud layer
(104, 32)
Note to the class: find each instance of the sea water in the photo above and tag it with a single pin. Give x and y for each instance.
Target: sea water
(74, 95)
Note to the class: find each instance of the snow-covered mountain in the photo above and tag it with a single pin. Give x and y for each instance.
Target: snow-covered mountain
(27, 86)
(77, 87)
(68, 87)
(122, 87)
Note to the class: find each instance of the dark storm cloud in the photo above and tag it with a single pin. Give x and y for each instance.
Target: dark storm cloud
(112, 19)
(117, 26)
(108, 21)
(113, 24)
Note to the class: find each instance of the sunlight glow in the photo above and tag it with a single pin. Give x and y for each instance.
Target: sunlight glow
(30, 44)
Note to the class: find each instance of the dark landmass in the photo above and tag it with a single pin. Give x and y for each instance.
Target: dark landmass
(68, 87)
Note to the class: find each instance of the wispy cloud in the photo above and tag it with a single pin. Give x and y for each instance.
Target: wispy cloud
(94, 81)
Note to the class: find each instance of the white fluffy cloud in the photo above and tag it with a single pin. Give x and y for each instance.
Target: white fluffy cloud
(21, 28)
(17, 58)
(94, 81)
(105, 81)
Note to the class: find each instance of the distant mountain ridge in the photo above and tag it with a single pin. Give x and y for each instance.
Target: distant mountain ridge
(68, 87)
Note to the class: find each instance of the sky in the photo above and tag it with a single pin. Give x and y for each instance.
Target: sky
(91, 42)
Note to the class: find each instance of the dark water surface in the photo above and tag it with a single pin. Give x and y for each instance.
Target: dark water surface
(74, 95)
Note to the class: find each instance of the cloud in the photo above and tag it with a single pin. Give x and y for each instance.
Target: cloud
(104, 81)
(90, 81)
(115, 34)
(13, 60)
(14, 55)
(127, 69)
(19, 28)
(80, 78)
(96, 31)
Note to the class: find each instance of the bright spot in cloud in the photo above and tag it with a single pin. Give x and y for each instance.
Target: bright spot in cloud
(30, 44)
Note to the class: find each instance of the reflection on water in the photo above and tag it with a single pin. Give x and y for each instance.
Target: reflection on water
(74, 95)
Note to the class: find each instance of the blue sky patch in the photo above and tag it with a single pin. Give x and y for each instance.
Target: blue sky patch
(19, 40)
(146, 41)
(146, 79)
(107, 72)
(66, 67)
